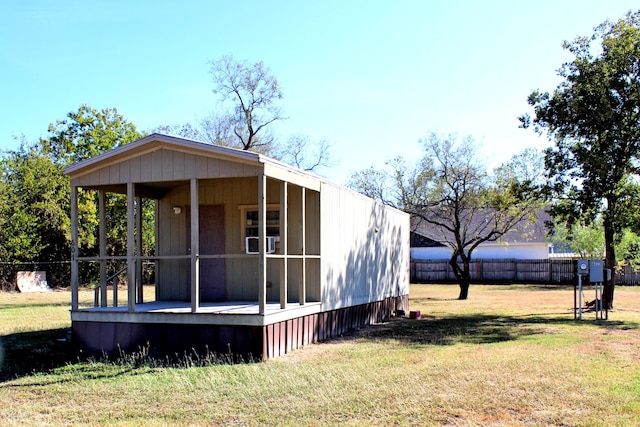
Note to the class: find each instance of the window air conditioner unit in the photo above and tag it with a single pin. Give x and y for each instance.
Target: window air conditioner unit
(251, 245)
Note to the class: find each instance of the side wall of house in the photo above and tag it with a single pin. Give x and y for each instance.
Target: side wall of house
(365, 249)
(490, 251)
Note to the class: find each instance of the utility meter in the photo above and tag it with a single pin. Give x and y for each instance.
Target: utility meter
(583, 266)
(596, 271)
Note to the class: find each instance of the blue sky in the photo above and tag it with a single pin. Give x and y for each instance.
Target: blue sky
(371, 77)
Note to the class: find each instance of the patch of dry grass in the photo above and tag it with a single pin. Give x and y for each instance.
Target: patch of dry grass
(507, 356)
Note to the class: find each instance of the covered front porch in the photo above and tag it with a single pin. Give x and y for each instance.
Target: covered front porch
(228, 227)
(235, 241)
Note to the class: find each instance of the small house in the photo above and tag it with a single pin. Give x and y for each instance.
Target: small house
(251, 256)
(526, 240)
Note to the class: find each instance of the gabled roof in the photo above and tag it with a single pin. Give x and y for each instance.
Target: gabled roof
(419, 241)
(156, 143)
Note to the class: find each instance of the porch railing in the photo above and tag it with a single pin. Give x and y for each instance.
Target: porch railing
(101, 289)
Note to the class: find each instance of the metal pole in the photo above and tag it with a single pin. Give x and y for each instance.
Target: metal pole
(580, 296)
(598, 305)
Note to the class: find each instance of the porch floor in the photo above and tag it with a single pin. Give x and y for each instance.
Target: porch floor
(224, 307)
(221, 313)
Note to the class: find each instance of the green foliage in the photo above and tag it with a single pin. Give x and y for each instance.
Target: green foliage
(86, 133)
(34, 207)
(628, 249)
(35, 195)
(593, 118)
(584, 239)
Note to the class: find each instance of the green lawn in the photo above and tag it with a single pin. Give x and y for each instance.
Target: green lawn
(510, 355)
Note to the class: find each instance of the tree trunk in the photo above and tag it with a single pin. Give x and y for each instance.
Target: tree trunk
(463, 275)
(464, 290)
(610, 263)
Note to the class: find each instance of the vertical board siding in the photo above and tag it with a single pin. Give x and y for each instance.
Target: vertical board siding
(166, 165)
(171, 239)
(365, 249)
(241, 273)
(288, 335)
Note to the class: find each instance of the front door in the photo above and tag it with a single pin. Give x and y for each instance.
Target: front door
(212, 283)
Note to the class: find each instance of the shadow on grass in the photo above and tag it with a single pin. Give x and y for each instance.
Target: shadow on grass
(40, 352)
(26, 353)
(29, 354)
(471, 329)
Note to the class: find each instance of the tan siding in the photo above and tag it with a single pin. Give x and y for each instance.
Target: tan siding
(93, 179)
(241, 274)
(226, 168)
(213, 167)
(359, 264)
(114, 173)
(312, 211)
(171, 240)
(201, 167)
(146, 167)
(135, 169)
(125, 172)
(178, 165)
(104, 176)
(295, 221)
(156, 166)
(168, 163)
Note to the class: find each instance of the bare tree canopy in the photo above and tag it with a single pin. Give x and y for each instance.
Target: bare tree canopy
(303, 153)
(249, 104)
(255, 96)
(451, 191)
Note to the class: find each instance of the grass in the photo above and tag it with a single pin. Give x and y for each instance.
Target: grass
(510, 355)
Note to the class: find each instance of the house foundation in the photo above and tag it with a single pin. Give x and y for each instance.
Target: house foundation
(242, 341)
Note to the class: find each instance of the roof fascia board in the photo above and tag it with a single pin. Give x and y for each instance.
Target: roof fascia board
(275, 170)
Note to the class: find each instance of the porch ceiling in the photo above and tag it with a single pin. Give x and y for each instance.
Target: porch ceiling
(146, 190)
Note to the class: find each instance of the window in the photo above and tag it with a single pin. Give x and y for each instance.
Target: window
(249, 222)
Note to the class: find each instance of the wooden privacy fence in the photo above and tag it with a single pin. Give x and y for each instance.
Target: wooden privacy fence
(547, 271)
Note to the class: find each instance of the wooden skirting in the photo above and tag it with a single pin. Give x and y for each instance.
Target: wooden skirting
(255, 342)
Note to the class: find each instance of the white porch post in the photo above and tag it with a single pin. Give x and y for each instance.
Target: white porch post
(195, 247)
(262, 233)
(74, 248)
(131, 247)
(139, 250)
(303, 282)
(284, 220)
(102, 250)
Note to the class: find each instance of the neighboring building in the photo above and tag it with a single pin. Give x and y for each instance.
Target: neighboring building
(252, 256)
(525, 241)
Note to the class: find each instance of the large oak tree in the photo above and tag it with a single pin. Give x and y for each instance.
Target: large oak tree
(593, 117)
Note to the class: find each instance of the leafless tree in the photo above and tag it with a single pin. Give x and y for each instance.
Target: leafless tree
(254, 94)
